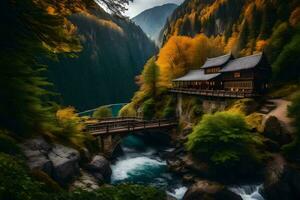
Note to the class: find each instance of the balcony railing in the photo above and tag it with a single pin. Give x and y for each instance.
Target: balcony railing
(214, 93)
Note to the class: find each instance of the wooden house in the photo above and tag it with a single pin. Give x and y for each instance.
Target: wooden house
(226, 76)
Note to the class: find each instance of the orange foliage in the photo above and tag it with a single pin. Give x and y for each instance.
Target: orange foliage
(295, 17)
(181, 54)
(232, 42)
(260, 45)
(210, 9)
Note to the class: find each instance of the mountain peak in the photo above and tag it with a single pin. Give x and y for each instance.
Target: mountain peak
(153, 20)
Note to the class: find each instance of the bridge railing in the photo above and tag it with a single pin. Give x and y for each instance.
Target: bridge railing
(128, 125)
(216, 93)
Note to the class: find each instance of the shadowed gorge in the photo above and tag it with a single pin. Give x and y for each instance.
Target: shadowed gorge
(114, 52)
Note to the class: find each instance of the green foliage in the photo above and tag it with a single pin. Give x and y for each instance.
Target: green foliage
(286, 66)
(292, 150)
(8, 144)
(223, 139)
(127, 111)
(44, 178)
(102, 112)
(120, 192)
(169, 112)
(17, 184)
(150, 77)
(149, 109)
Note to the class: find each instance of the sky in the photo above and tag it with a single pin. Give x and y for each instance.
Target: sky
(139, 6)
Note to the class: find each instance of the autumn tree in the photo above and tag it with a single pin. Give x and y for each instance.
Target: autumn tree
(150, 77)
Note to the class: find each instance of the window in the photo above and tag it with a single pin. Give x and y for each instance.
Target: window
(237, 75)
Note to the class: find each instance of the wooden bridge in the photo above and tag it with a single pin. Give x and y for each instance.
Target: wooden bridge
(121, 125)
(109, 131)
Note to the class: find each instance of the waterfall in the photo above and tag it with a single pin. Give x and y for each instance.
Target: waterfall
(248, 192)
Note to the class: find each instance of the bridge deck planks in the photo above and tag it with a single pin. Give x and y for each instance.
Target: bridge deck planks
(112, 127)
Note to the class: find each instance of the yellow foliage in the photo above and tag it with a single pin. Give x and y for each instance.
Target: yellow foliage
(295, 17)
(232, 42)
(181, 54)
(174, 59)
(71, 128)
(128, 111)
(255, 121)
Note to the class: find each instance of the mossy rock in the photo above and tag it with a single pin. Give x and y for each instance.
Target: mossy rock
(44, 178)
(244, 106)
(255, 121)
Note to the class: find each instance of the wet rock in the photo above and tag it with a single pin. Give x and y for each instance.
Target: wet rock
(100, 166)
(274, 130)
(36, 151)
(207, 190)
(188, 177)
(282, 181)
(196, 166)
(65, 163)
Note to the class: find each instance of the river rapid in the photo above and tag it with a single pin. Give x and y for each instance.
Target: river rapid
(141, 163)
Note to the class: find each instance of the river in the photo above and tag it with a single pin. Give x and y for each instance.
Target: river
(141, 163)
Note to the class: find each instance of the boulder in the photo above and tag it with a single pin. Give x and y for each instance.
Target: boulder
(100, 166)
(65, 163)
(36, 151)
(281, 180)
(85, 182)
(274, 130)
(207, 190)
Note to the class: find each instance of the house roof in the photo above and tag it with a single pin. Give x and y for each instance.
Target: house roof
(197, 75)
(217, 61)
(247, 62)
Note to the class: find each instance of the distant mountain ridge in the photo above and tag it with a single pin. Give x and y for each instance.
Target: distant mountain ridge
(153, 20)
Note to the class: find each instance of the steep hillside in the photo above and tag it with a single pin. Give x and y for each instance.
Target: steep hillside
(153, 19)
(114, 52)
(245, 27)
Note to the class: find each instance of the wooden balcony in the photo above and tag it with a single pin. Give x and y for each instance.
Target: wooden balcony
(213, 93)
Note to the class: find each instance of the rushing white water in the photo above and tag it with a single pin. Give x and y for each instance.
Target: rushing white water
(248, 192)
(178, 193)
(135, 167)
(141, 164)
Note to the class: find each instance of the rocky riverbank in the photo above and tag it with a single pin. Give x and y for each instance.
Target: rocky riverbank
(65, 165)
(279, 179)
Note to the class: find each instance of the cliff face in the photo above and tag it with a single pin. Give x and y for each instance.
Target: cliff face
(114, 52)
(154, 19)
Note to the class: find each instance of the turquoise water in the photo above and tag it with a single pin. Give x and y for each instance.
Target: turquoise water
(141, 164)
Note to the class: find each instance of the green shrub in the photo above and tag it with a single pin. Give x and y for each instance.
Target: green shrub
(292, 150)
(8, 144)
(15, 183)
(169, 112)
(42, 177)
(222, 139)
(127, 111)
(102, 112)
(149, 109)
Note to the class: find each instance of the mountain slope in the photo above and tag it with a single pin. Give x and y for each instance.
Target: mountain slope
(153, 19)
(245, 27)
(114, 52)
